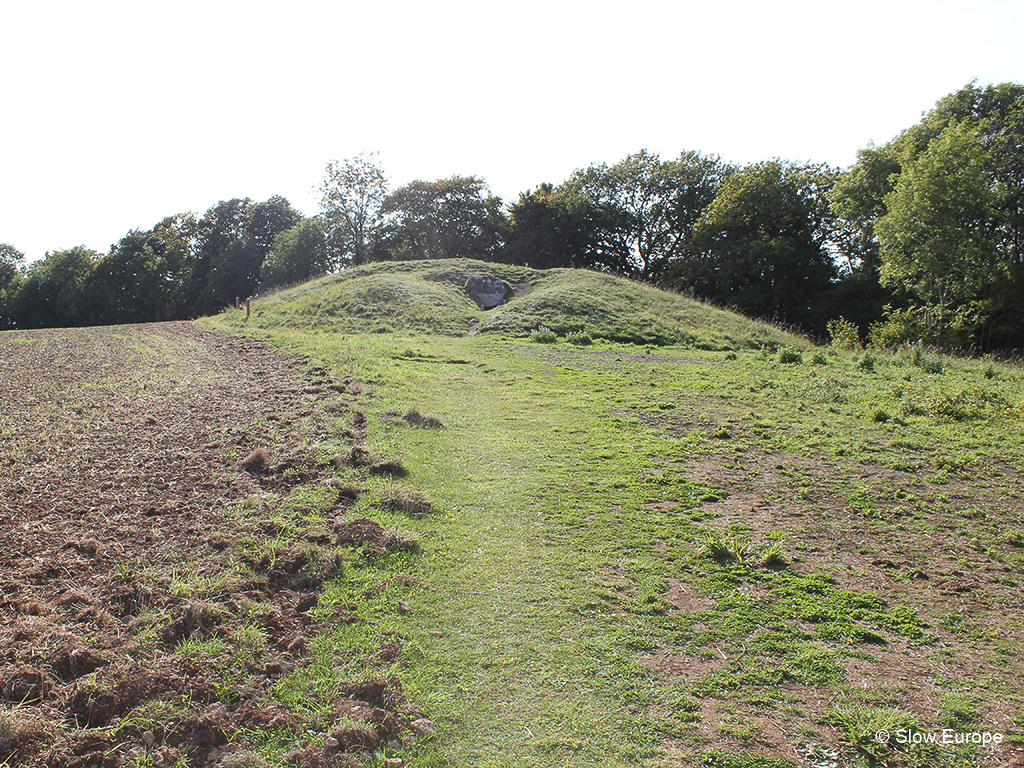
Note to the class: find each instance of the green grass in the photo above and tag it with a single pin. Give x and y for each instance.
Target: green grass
(541, 589)
(576, 305)
(572, 486)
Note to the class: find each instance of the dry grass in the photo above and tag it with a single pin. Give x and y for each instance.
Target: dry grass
(391, 467)
(20, 733)
(412, 502)
(256, 462)
(417, 419)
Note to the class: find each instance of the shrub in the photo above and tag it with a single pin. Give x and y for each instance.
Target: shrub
(900, 326)
(866, 363)
(844, 334)
(966, 404)
(788, 355)
(579, 338)
(924, 362)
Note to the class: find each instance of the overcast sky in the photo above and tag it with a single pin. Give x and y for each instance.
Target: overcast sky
(114, 115)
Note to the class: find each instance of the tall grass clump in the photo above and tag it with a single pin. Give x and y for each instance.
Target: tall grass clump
(790, 356)
(543, 335)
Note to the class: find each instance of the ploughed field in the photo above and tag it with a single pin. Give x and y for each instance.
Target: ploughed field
(149, 605)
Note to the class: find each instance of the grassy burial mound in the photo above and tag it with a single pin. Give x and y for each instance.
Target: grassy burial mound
(431, 296)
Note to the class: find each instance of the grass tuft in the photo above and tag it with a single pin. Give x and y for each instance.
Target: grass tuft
(256, 462)
(543, 335)
(406, 500)
(389, 467)
(417, 419)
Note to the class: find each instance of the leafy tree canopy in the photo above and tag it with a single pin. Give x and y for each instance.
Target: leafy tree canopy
(936, 235)
(940, 210)
(763, 245)
(351, 196)
(549, 228)
(145, 275)
(446, 219)
(235, 237)
(53, 293)
(643, 210)
(299, 254)
(10, 260)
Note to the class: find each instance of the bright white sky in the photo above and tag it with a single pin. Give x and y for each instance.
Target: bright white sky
(116, 114)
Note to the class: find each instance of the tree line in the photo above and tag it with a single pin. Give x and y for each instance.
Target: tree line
(919, 240)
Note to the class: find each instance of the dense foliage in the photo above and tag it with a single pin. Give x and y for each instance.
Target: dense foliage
(919, 240)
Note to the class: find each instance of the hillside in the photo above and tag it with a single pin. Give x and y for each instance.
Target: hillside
(429, 296)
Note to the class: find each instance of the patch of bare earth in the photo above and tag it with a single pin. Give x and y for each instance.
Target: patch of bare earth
(911, 554)
(121, 449)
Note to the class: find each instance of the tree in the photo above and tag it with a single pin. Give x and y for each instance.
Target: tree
(549, 229)
(937, 234)
(298, 255)
(176, 241)
(234, 238)
(764, 244)
(12, 261)
(222, 225)
(975, 216)
(144, 277)
(266, 221)
(53, 292)
(643, 210)
(445, 219)
(351, 196)
(858, 199)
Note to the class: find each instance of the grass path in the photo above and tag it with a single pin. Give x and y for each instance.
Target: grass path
(518, 669)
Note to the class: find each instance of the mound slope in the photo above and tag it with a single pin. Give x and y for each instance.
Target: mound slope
(431, 296)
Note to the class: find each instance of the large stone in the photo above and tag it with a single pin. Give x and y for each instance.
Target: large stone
(488, 292)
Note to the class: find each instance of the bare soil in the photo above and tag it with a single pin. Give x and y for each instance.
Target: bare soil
(915, 554)
(122, 450)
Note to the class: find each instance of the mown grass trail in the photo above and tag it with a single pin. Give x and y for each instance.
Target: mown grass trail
(522, 675)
